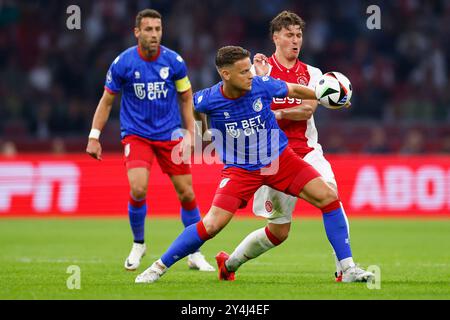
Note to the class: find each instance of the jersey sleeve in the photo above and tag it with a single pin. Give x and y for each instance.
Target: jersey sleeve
(275, 88)
(200, 102)
(315, 75)
(114, 77)
(181, 78)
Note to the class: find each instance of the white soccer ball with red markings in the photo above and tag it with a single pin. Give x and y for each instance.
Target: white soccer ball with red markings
(333, 90)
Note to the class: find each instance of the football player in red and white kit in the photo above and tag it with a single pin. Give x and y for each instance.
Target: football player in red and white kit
(295, 118)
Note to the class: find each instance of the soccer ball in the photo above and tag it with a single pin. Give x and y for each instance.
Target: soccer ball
(333, 90)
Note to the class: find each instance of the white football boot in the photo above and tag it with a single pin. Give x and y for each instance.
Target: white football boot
(134, 258)
(152, 274)
(197, 261)
(356, 274)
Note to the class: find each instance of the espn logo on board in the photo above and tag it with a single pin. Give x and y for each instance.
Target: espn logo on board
(39, 182)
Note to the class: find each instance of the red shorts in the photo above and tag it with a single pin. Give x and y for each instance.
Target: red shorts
(140, 152)
(237, 185)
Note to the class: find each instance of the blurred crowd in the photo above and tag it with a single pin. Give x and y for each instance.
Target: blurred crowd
(52, 77)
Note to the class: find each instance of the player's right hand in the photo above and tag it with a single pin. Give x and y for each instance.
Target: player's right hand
(94, 149)
(261, 63)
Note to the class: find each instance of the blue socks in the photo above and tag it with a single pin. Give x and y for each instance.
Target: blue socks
(189, 241)
(190, 213)
(337, 230)
(137, 210)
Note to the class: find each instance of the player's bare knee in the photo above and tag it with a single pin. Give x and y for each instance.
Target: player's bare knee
(186, 195)
(332, 195)
(329, 196)
(138, 191)
(215, 220)
(280, 231)
(332, 186)
(282, 236)
(212, 227)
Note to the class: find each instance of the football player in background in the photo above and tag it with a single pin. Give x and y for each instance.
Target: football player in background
(295, 118)
(255, 152)
(154, 81)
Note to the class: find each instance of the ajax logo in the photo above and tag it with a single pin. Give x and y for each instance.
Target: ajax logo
(302, 80)
(269, 206)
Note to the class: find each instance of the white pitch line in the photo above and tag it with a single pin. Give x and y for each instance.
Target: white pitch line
(63, 260)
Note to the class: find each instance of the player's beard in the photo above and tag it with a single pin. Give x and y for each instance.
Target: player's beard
(147, 45)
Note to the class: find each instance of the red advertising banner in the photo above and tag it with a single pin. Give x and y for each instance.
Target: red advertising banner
(76, 185)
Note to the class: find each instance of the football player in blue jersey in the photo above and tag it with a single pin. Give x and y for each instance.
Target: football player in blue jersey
(255, 152)
(156, 102)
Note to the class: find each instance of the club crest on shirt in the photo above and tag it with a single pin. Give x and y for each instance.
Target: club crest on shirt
(257, 105)
(303, 80)
(226, 115)
(137, 75)
(164, 73)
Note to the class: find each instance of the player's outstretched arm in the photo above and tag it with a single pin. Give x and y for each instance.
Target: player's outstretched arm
(297, 113)
(94, 148)
(300, 92)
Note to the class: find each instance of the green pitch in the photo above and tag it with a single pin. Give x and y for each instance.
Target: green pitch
(413, 256)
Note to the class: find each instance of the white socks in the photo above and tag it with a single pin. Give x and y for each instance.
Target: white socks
(347, 263)
(255, 244)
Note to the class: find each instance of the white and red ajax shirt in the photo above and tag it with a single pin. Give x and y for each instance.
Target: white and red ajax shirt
(302, 135)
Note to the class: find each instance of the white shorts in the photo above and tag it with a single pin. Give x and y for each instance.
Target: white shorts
(277, 206)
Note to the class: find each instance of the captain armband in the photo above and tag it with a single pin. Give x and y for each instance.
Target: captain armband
(183, 85)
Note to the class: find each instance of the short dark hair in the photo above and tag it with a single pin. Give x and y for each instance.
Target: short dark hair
(284, 20)
(230, 54)
(147, 13)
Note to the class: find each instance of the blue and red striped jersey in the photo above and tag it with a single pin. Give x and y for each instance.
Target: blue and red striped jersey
(246, 132)
(149, 105)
